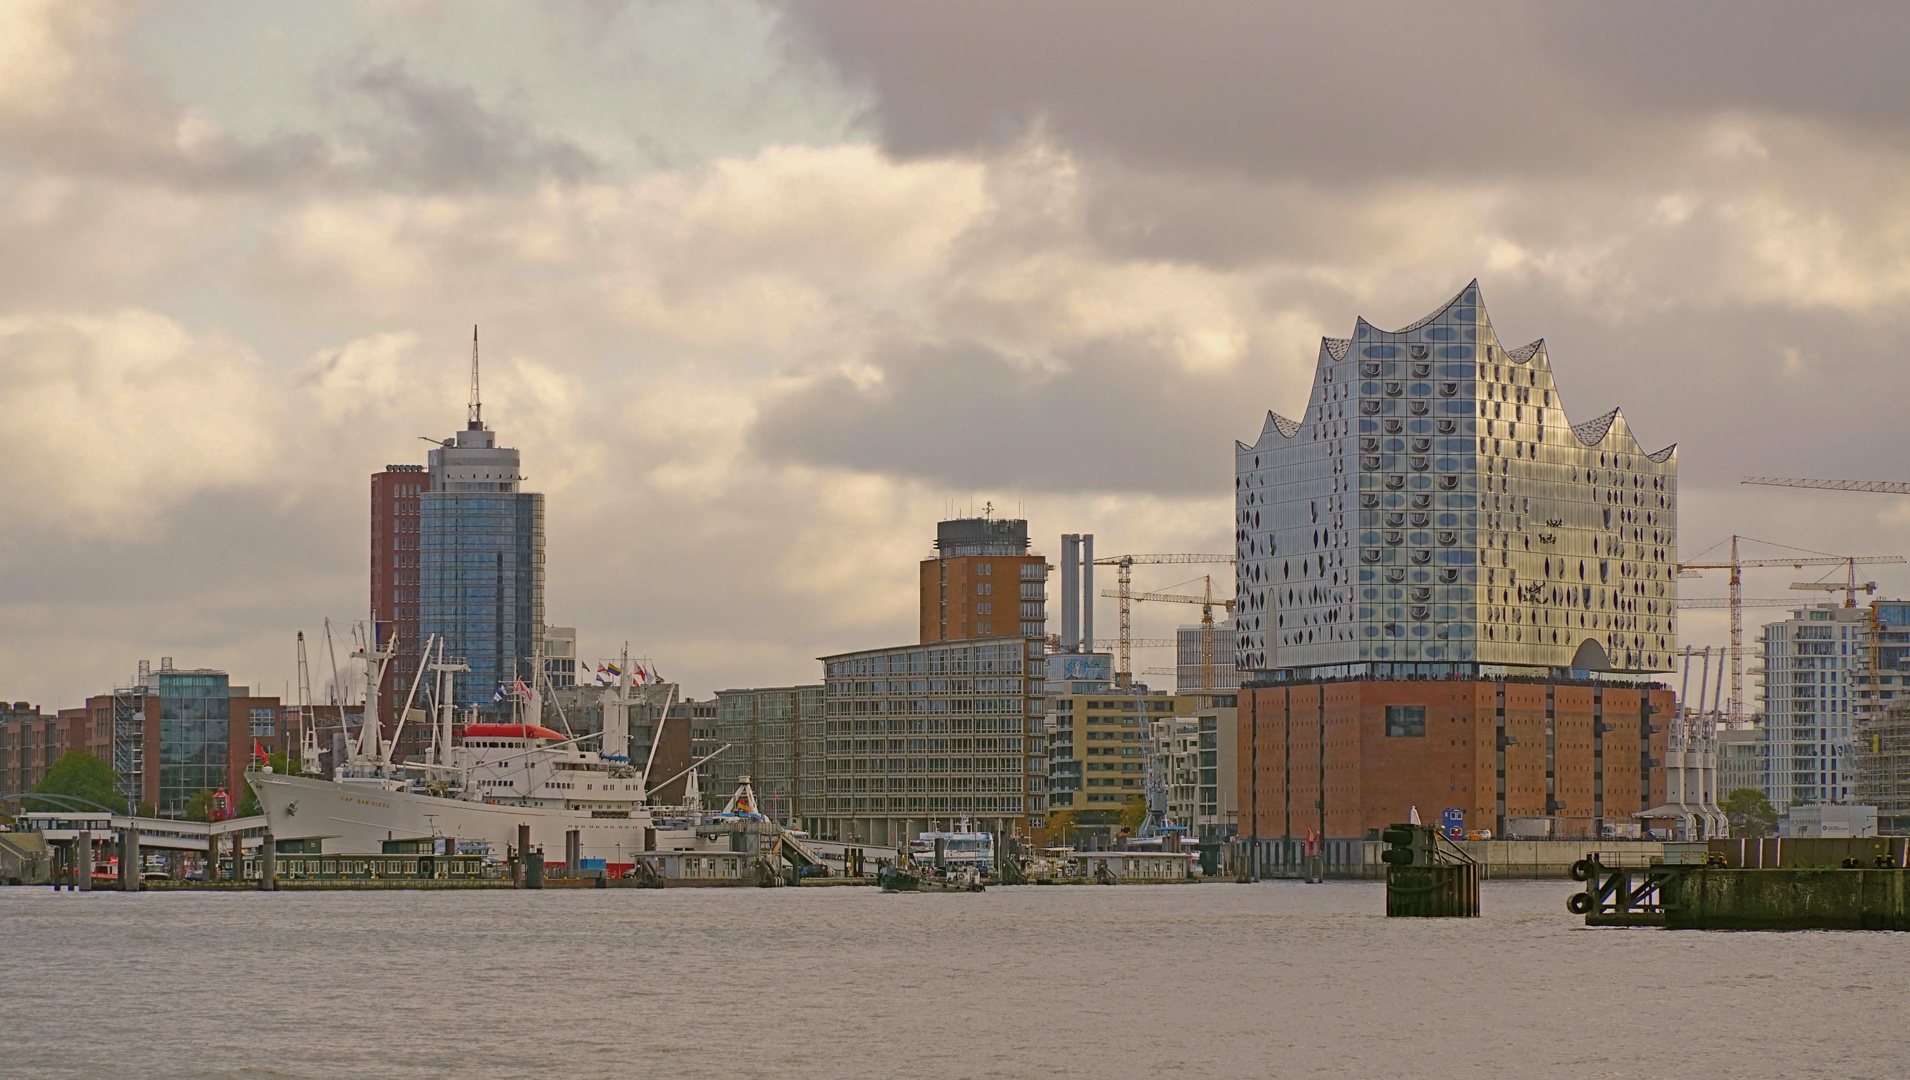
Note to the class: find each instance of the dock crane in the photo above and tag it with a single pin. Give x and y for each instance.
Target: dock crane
(1125, 565)
(1735, 602)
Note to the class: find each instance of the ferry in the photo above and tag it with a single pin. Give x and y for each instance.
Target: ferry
(961, 849)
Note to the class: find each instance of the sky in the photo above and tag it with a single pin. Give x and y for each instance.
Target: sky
(765, 291)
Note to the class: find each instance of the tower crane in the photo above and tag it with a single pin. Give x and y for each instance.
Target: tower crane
(1886, 487)
(1206, 601)
(1736, 600)
(1125, 564)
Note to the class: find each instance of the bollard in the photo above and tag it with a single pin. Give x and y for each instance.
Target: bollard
(130, 879)
(268, 864)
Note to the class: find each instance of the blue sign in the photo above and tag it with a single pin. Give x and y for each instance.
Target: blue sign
(1452, 822)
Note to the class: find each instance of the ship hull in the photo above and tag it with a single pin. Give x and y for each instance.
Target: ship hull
(358, 819)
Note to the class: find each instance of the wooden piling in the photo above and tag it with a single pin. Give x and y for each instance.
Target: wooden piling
(1447, 890)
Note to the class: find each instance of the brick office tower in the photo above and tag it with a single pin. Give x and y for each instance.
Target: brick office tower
(981, 582)
(395, 495)
(1436, 516)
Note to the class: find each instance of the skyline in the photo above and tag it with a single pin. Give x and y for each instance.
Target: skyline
(745, 274)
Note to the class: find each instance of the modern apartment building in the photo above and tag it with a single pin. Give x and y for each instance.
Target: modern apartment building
(1433, 513)
(1809, 693)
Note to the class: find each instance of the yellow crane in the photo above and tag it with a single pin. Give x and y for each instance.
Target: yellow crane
(1205, 600)
(1736, 604)
(1125, 564)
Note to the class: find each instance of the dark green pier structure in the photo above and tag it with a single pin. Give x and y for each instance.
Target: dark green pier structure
(1427, 876)
(1768, 884)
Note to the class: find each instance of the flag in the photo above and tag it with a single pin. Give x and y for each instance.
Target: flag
(614, 670)
(523, 691)
(258, 751)
(499, 696)
(640, 675)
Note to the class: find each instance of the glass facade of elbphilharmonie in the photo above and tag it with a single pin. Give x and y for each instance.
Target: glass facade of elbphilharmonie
(1435, 514)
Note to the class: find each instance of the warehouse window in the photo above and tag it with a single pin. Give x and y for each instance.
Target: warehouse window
(1406, 721)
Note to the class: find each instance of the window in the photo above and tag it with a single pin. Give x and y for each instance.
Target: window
(264, 723)
(1405, 721)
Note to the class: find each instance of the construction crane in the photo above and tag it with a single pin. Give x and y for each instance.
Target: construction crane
(1125, 564)
(1849, 586)
(1736, 600)
(1886, 487)
(1206, 601)
(1725, 602)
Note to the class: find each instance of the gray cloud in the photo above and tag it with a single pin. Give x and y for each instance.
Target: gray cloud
(437, 136)
(966, 416)
(1355, 91)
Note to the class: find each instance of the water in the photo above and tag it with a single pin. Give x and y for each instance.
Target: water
(1275, 979)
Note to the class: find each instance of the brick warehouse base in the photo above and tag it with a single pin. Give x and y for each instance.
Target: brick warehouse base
(1567, 758)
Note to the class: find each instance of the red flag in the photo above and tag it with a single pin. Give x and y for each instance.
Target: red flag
(258, 751)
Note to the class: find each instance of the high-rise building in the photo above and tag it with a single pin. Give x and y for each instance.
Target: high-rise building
(481, 560)
(1433, 512)
(1204, 659)
(982, 582)
(1809, 691)
(396, 494)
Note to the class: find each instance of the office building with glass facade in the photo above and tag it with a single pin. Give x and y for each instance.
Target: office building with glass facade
(1435, 514)
(481, 565)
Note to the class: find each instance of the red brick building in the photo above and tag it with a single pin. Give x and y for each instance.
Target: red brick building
(982, 582)
(1343, 759)
(395, 496)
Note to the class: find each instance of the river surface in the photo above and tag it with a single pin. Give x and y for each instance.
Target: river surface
(1222, 980)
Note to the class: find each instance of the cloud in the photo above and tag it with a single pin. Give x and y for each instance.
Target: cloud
(1060, 264)
(439, 137)
(108, 420)
(1356, 92)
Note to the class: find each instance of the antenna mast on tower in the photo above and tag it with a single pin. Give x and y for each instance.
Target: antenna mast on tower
(475, 420)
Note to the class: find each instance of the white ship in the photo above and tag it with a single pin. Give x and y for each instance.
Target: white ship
(493, 780)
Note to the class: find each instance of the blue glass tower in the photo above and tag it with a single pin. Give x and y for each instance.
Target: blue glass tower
(481, 560)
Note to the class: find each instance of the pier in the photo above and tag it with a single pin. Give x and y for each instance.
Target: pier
(1771, 884)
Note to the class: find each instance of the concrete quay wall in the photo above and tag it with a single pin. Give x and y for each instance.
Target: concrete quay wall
(1523, 860)
(1707, 898)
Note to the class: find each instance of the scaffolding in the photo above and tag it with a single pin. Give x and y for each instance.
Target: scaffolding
(129, 742)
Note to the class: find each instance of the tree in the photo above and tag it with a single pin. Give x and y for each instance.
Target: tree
(1134, 814)
(1060, 824)
(1750, 813)
(82, 776)
(199, 804)
(281, 763)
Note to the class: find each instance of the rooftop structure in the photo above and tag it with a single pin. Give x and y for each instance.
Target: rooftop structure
(1434, 512)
